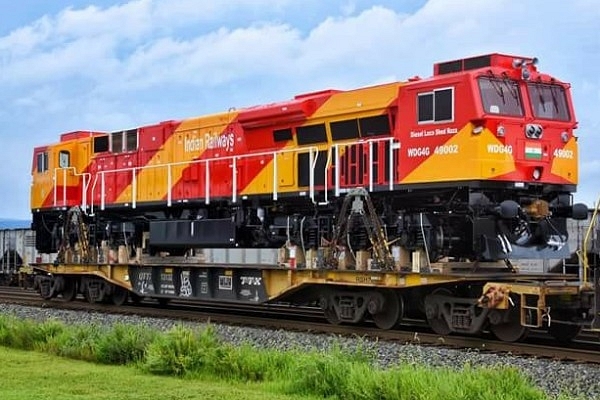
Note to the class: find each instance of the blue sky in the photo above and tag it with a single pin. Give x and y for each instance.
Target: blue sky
(110, 65)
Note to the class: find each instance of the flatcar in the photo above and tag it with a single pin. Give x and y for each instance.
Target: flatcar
(378, 202)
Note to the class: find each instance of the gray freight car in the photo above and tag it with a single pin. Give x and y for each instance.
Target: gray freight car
(17, 250)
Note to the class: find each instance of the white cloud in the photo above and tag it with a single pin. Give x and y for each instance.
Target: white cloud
(143, 61)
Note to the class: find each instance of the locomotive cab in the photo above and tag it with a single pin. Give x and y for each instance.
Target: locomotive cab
(60, 180)
(495, 138)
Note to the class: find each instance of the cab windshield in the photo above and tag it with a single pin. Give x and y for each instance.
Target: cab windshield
(500, 96)
(548, 101)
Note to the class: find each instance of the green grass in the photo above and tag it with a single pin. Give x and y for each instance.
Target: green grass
(33, 375)
(199, 356)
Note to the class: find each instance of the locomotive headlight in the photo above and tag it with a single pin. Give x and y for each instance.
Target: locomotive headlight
(500, 131)
(564, 137)
(537, 173)
(534, 131)
(477, 130)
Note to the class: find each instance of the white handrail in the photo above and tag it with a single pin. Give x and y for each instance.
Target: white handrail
(370, 142)
(275, 183)
(313, 152)
(370, 164)
(133, 188)
(206, 184)
(234, 181)
(337, 170)
(86, 176)
(207, 161)
(169, 185)
(311, 177)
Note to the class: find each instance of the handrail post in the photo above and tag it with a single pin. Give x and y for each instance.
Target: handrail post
(207, 183)
(64, 186)
(311, 182)
(84, 188)
(92, 193)
(275, 176)
(102, 191)
(133, 188)
(234, 180)
(169, 181)
(370, 163)
(391, 164)
(55, 196)
(337, 170)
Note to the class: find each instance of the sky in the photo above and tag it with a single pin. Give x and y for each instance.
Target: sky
(112, 65)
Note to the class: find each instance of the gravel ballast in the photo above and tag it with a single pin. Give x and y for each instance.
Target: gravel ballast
(553, 377)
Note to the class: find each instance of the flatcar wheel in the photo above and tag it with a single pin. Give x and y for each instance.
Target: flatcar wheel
(135, 298)
(563, 333)
(163, 301)
(391, 312)
(69, 292)
(119, 295)
(511, 330)
(437, 323)
(331, 316)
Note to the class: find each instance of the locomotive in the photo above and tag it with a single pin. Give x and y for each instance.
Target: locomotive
(475, 164)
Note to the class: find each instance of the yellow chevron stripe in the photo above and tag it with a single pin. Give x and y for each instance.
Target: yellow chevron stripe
(472, 161)
(152, 182)
(565, 165)
(360, 100)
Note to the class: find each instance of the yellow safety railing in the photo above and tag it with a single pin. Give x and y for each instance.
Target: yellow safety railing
(583, 253)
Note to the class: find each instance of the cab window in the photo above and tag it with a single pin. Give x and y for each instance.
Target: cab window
(548, 101)
(500, 96)
(42, 162)
(435, 106)
(64, 159)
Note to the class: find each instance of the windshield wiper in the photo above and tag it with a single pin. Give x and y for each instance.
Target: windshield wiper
(498, 88)
(554, 99)
(512, 88)
(541, 97)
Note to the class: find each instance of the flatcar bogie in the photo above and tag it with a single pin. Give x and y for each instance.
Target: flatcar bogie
(508, 327)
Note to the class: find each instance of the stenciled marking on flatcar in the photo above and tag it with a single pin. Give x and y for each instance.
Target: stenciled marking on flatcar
(563, 153)
(223, 141)
(499, 149)
(144, 282)
(367, 279)
(251, 280)
(225, 282)
(167, 285)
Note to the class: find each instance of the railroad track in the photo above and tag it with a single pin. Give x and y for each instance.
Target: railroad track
(585, 349)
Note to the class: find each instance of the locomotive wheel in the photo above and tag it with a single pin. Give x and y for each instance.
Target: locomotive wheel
(119, 295)
(437, 323)
(391, 312)
(69, 292)
(563, 333)
(511, 330)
